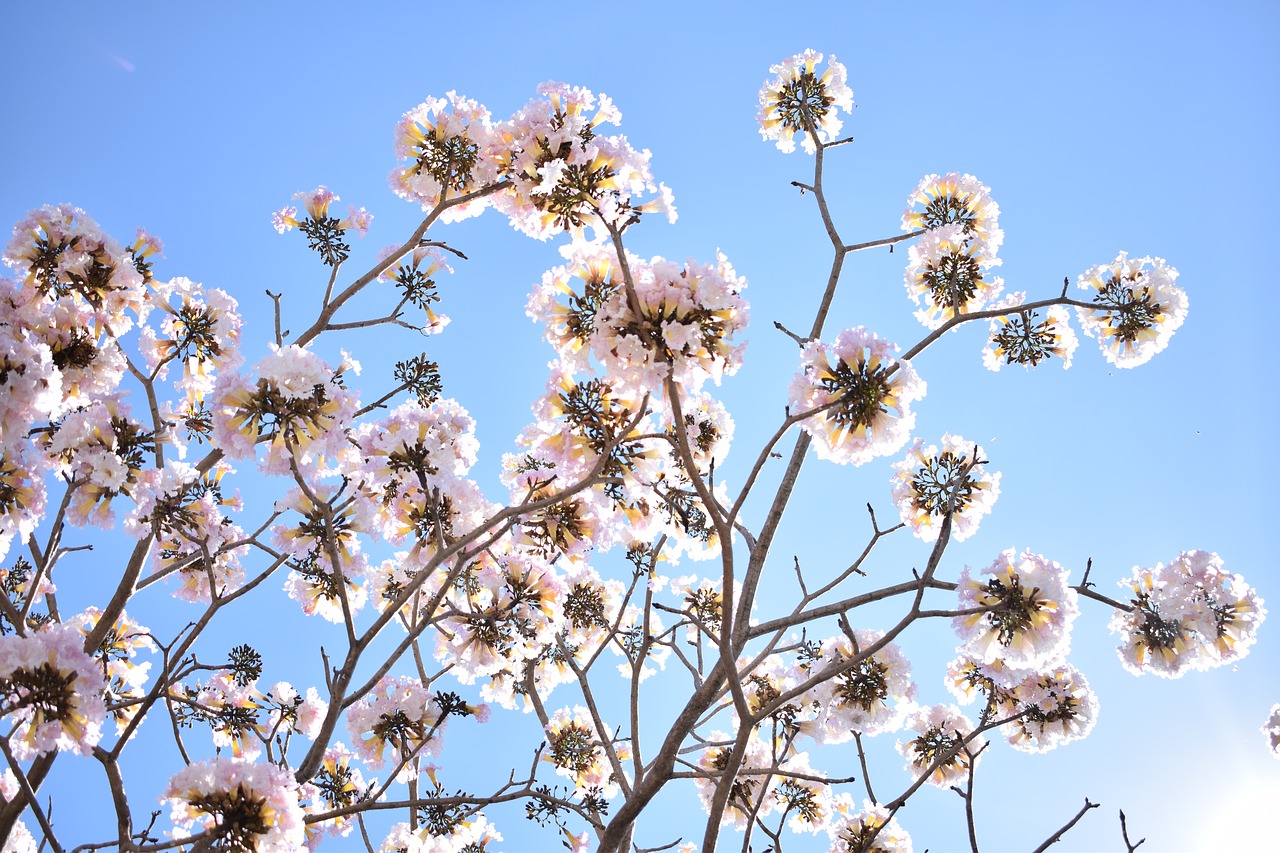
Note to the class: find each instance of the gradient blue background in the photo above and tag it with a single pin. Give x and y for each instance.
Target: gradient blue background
(1149, 127)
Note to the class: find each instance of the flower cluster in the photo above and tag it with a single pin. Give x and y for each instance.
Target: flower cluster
(399, 713)
(448, 143)
(1190, 613)
(750, 793)
(948, 274)
(565, 175)
(324, 233)
(414, 277)
(1271, 729)
(1021, 337)
(461, 836)
(929, 485)
(1048, 708)
(940, 201)
(856, 396)
(1027, 615)
(798, 100)
(51, 692)
(244, 806)
(298, 405)
(1037, 709)
(202, 334)
(575, 748)
(20, 839)
(871, 829)
(868, 697)
(1138, 309)
(337, 785)
(940, 740)
(66, 261)
(102, 452)
(547, 167)
(195, 539)
(115, 655)
(645, 321)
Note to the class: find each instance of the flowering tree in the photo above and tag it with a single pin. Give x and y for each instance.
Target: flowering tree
(621, 567)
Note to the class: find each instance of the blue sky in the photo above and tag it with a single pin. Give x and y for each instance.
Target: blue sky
(1100, 127)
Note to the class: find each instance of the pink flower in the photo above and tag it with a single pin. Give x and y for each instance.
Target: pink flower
(52, 692)
(248, 806)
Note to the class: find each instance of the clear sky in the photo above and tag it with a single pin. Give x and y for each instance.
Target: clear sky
(1099, 126)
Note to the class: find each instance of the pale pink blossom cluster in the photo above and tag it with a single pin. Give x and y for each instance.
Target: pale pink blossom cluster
(800, 101)
(22, 492)
(871, 829)
(653, 320)
(569, 617)
(449, 144)
(1022, 337)
(124, 676)
(316, 203)
(195, 539)
(585, 427)
(751, 791)
(230, 705)
(51, 692)
(576, 749)
(20, 839)
(414, 275)
(335, 591)
(1271, 730)
(1029, 610)
(202, 334)
(514, 613)
(1038, 709)
(290, 711)
(399, 713)
(473, 833)
(298, 406)
(337, 785)
(1050, 707)
(799, 793)
(930, 484)
(940, 201)
(66, 260)
(411, 467)
(869, 697)
(245, 806)
(1189, 614)
(859, 395)
(940, 732)
(100, 451)
(948, 274)
(1138, 308)
(548, 168)
(566, 176)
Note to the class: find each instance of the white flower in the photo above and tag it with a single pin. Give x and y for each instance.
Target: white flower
(947, 274)
(853, 829)
(246, 806)
(53, 692)
(1138, 309)
(1021, 337)
(799, 101)
(1271, 728)
(864, 395)
(1030, 616)
(1052, 707)
(940, 731)
(955, 199)
(925, 482)
(1190, 613)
